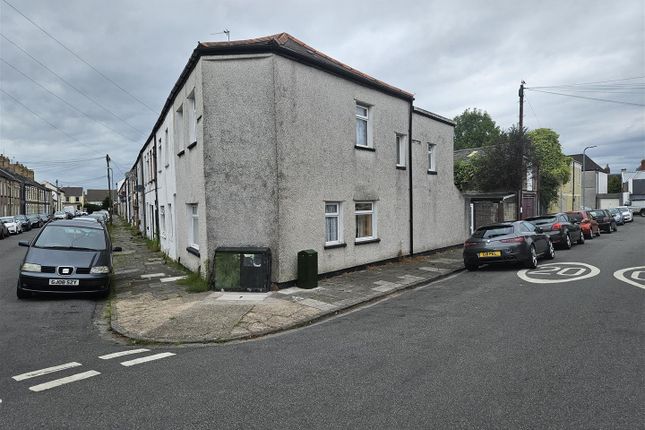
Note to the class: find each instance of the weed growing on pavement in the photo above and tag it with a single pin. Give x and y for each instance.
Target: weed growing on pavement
(153, 245)
(194, 283)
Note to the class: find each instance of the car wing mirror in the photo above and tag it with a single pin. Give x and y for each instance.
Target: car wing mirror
(23, 243)
(117, 249)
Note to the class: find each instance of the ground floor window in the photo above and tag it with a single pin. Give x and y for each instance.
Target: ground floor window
(193, 226)
(333, 224)
(365, 221)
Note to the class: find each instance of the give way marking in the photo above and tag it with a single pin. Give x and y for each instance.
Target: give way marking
(632, 275)
(555, 273)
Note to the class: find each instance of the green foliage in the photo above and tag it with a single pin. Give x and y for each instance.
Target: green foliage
(153, 245)
(466, 172)
(107, 203)
(614, 184)
(553, 165)
(502, 167)
(194, 283)
(90, 208)
(475, 128)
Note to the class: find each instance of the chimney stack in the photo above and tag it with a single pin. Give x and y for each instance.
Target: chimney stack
(642, 166)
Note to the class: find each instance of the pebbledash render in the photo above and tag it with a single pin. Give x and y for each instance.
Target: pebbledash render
(270, 143)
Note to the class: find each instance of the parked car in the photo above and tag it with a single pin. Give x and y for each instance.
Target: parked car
(626, 213)
(588, 225)
(12, 224)
(26, 224)
(605, 220)
(99, 216)
(4, 231)
(617, 215)
(560, 229)
(89, 218)
(515, 242)
(67, 256)
(60, 215)
(45, 218)
(35, 221)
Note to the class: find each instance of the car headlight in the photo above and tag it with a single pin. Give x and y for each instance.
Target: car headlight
(30, 267)
(100, 269)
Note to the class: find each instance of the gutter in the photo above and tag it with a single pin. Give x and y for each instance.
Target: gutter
(154, 157)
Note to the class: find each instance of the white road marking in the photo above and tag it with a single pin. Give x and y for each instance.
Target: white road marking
(153, 275)
(146, 359)
(553, 269)
(46, 371)
(122, 353)
(620, 275)
(63, 381)
(125, 271)
(172, 279)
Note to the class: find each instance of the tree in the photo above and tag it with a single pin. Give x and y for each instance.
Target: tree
(107, 203)
(614, 184)
(502, 167)
(553, 165)
(475, 128)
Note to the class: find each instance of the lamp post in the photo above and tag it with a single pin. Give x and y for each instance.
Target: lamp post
(584, 157)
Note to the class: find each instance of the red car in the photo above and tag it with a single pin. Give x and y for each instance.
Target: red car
(588, 225)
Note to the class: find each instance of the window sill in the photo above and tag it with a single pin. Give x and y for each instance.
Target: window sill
(335, 245)
(192, 145)
(180, 153)
(401, 167)
(364, 148)
(193, 251)
(432, 172)
(365, 242)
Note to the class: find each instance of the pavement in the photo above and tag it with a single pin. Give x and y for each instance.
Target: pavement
(150, 304)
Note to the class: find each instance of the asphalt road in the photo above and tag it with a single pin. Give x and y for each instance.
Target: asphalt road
(486, 349)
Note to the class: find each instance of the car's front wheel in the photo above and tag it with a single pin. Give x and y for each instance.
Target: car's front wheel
(471, 267)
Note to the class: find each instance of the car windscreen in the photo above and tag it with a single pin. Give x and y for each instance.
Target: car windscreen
(598, 214)
(575, 217)
(7, 219)
(542, 220)
(493, 231)
(71, 237)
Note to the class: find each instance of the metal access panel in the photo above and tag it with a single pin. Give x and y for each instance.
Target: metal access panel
(242, 269)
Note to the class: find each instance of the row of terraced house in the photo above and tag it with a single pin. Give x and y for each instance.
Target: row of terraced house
(19, 192)
(270, 144)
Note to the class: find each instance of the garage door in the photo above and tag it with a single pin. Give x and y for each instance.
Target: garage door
(609, 203)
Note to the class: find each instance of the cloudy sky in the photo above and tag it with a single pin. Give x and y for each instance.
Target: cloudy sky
(97, 91)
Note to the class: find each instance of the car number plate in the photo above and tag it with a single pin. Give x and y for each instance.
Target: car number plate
(71, 282)
(491, 254)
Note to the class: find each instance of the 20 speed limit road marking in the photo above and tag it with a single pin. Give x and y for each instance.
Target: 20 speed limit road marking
(635, 278)
(555, 273)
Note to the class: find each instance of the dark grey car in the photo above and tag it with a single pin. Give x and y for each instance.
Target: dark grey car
(67, 256)
(515, 242)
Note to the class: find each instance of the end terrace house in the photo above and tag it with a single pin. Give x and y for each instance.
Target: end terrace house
(270, 143)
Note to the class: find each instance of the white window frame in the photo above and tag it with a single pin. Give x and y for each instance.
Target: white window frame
(193, 217)
(401, 151)
(162, 221)
(366, 212)
(179, 129)
(166, 153)
(338, 215)
(191, 118)
(368, 124)
(432, 157)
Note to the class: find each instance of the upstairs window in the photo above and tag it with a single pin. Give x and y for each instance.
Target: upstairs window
(179, 129)
(431, 158)
(192, 118)
(362, 126)
(400, 150)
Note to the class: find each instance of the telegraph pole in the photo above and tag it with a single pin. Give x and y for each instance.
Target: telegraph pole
(521, 94)
(107, 160)
(519, 191)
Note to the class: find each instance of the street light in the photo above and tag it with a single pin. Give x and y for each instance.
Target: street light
(584, 157)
